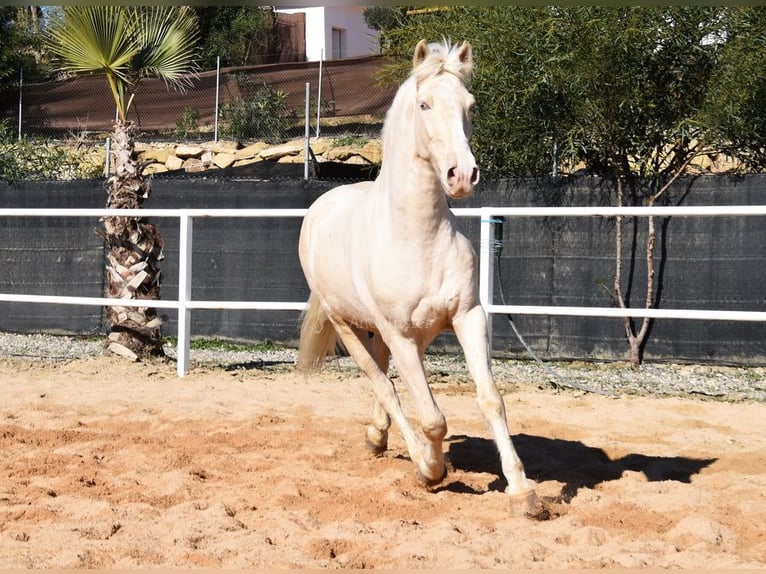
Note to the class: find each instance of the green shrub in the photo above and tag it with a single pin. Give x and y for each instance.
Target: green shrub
(40, 159)
(263, 116)
(187, 125)
(350, 140)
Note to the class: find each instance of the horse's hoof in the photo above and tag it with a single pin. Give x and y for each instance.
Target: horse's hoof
(376, 450)
(430, 482)
(376, 441)
(526, 504)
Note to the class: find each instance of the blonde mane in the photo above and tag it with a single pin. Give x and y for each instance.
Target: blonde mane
(443, 57)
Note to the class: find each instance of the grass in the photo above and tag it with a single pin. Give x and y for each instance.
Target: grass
(350, 141)
(218, 344)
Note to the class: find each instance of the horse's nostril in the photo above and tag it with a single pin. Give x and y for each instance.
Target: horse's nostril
(475, 176)
(451, 174)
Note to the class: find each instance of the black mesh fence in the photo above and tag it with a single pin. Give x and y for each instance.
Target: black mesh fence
(702, 263)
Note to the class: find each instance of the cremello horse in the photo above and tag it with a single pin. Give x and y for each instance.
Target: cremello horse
(390, 268)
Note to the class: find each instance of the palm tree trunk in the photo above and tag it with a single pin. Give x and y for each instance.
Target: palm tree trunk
(134, 250)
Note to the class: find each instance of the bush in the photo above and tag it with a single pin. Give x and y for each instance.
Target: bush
(186, 126)
(350, 141)
(40, 159)
(264, 116)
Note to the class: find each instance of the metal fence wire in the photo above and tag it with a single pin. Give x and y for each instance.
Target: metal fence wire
(252, 103)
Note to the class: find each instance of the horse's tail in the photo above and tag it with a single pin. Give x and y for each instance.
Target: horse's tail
(318, 337)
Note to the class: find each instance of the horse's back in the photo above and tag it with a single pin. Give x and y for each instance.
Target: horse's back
(328, 236)
(329, 216)
(337, 202)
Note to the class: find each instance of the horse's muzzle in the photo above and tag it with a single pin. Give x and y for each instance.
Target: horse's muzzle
(460, 182)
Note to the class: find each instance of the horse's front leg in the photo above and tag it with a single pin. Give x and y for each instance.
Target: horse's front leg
(408, 359)
(471, 331)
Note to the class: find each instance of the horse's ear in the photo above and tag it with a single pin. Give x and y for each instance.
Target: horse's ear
(421, 52)
(465, 54)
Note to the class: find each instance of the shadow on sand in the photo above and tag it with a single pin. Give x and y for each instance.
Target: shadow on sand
(571, 462)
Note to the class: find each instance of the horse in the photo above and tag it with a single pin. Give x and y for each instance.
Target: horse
(389, 267)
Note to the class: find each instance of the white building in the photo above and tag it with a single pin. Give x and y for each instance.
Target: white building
(334, 32)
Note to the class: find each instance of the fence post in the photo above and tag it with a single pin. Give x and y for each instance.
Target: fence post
(108, 157)
(21, 87)
(217, 84)
(184, 292)
(307, 133)
(486, 268)
(319, 89)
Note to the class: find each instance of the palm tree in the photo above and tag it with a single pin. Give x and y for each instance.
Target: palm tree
(127, 45)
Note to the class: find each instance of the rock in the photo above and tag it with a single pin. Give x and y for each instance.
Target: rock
(155, 168)
(123, 351)
(372, 151)
(224, 160)
(291, 158)
(157, 154)
(340, 153)
(320, 145)
(93, 161)
(253, 150)
(694, 530)
(224, 146)
(193, 165)
(356, 160)
(174, 163)
(290, 148)
(187, 151)
(246, 161)
(160, 157)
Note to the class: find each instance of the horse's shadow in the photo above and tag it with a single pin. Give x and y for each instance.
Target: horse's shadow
(255, 365)
(571, 462)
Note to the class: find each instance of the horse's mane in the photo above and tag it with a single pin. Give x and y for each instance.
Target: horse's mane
(442, 57)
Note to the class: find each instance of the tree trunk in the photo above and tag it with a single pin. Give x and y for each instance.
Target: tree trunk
(636, 340)
(134, 250)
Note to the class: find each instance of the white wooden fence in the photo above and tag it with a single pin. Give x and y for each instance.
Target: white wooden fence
(185, 304)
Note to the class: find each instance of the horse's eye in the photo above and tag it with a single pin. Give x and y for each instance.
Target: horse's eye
(424, 106)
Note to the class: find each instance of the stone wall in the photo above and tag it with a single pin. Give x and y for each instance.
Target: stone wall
(199, 157)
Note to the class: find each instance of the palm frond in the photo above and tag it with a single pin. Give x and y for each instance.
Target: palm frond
(93, 39)
(126, 45)
(168, 37)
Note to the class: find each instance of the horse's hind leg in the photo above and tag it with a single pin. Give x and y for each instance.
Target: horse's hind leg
(377, 432)
(471, 330)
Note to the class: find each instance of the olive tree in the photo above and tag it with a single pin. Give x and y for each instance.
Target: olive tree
(632, 94)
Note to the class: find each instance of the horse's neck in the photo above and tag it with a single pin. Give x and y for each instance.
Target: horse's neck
(411, 186)
(409, 190)
(413, 195)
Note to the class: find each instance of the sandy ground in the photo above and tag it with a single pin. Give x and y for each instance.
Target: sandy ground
(111, 464)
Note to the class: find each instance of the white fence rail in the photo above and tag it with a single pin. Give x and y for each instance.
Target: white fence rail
(185, 304)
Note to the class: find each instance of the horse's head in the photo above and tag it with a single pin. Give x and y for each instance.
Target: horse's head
(443, 114)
